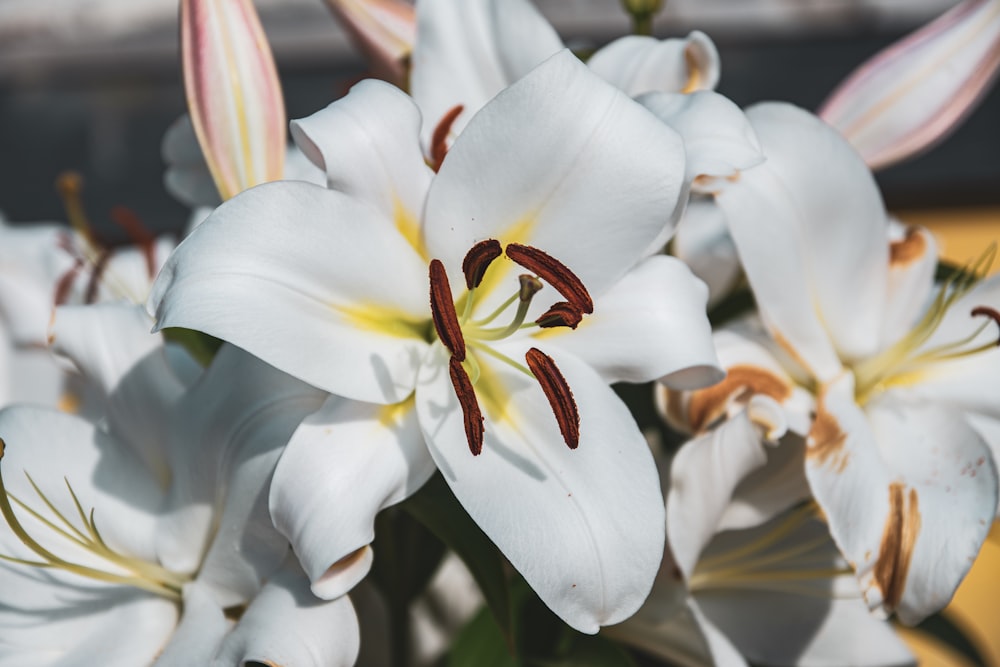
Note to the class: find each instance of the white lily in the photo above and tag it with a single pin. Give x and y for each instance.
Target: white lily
(898, 366)
(147, 539)
(468, 51)
(332, 287)
(911, 95)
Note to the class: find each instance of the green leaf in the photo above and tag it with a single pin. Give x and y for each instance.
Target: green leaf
(436, 507)
(582, 650)
(199, 345)
(481, 644)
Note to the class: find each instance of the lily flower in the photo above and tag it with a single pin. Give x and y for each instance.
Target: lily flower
(233, 93)
(383, 30)
(901, 369)
(467, 51)
(911, 95)
(146, 539)
(500, 386)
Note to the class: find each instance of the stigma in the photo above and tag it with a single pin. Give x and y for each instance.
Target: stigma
(461, 333)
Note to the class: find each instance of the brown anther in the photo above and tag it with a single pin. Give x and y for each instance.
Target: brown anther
(991, 313)
(562, 314)
(558, 393)
(554, 272)
(127, 219)
(439, 139)
(443, 311)
(530, 286)
(90, 296)
(478, 259)
(471, 413)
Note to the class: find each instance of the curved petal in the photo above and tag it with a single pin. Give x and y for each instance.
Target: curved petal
(718, 139)
(584, 526)
(706, 471)
(467, 52)
(911, 95)
(202, 627)
(557, 172)
(651, 324)
(637, 64)
(286, 625)
(703, 243)
(226, 435)
(912, 261)
(794, 220)
(368, 143)
(57, 450)
(909, 496)
(308, 280)
(315, 498)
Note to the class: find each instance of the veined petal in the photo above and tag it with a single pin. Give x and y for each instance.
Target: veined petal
(315, 498)
(912, 94)
(227, 433)
(718, 139)
(368, 144)
(467, 52)
(706, 471)
(309, 280)
(234, 96)
(651, 324)
(912, 261)
(286, 625)
(637, 64)
(557, 172)
(383, 30)
(794, 219)
(584, 526)
(909, 496)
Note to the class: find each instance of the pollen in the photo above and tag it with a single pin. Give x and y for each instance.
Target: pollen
(558, 393)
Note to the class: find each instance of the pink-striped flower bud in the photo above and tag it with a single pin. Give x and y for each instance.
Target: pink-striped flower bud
(383, 30)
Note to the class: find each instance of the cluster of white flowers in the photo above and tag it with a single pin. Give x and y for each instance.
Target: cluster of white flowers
(443, 284)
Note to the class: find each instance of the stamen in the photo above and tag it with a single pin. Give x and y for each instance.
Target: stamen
(478, 259)
(69, 185)
(553, 272)
(66, 283)
(530, 286)
(562, 314)
(100, 264)
(127, 219)
(558, 393)
(439, 139)
(471, 413)
(988, 312)
(443, 311)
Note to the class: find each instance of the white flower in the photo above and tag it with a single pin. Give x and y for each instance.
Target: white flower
(332, 287)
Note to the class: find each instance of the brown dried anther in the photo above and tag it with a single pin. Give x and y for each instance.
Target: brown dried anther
(554, 272)
(471, 413)
(562, 314)
(443, 311)
(478, 259)
(992, 313)
(439, 138)
(558, 393)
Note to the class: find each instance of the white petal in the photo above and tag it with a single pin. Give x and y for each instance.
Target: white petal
(316, 500)
(706, 472)
(368, 144)
(227, 434)
(794, 219)
(718, 139)
(670, 630)
(651, 324)
(639, 64)
(703, 243)
(909, 496)
(912, 260)
(310, 281)
(557, 172)
(56, 448)
(202, 626)
(584, 526)
(467, 52)
(286, 625)
(187, 176)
